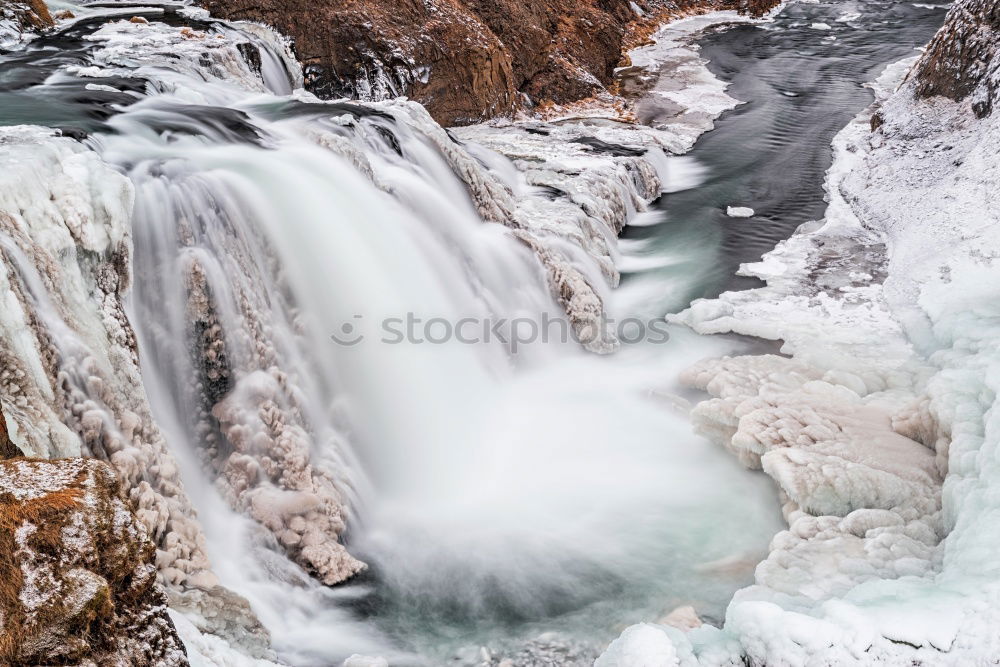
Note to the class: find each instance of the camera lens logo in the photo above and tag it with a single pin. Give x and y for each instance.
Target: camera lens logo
(349, 334)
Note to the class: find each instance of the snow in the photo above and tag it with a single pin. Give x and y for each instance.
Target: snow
(739, 212)
(699, 95)
(880, 429)
(205, 650)
(643, 645)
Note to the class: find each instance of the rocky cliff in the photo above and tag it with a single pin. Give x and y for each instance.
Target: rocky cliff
(962, 60)
(465, 60)
(77, 573)
(20, 16)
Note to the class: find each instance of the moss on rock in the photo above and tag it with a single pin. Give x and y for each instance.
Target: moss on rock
(77, 580)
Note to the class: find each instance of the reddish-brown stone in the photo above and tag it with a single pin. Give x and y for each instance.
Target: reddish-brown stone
(77, 573)
(29, 14)
(962, 59)
(465, 60)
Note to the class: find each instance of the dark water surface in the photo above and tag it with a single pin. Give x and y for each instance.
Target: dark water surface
(800, 87)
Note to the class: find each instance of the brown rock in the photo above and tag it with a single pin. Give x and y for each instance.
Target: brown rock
(28, 14)
(7, 448)
(77, 580)
(961, 61)
(465, 60)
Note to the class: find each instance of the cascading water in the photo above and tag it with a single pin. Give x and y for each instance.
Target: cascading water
(495, 497)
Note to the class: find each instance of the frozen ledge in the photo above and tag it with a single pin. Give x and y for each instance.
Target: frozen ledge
(876, 427)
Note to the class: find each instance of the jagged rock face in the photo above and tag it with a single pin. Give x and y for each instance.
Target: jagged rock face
(77, 574)
(437, 52)
(962, 60)
(465, 60)
(25, 16)
(7, 449)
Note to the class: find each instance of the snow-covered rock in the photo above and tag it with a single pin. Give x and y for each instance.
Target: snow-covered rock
(643, 645)
(962, 62)
(20, 18)
(740, 212)
(78, 571)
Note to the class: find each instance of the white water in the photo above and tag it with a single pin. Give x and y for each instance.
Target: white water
(494, 496)
(491, 491)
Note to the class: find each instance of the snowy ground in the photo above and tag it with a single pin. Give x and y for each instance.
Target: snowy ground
(887, 311)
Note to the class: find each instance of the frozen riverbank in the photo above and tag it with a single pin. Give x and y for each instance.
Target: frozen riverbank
(878, 429)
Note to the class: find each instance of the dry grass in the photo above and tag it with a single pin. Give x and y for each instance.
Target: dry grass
(49, 514)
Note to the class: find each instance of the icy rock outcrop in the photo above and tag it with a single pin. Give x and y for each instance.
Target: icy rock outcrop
(858, 496)
(256, 437)
(963, 59)
(18, 19)
(79, 579)
(70, 383)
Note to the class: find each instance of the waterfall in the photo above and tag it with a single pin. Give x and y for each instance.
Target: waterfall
(402, 498)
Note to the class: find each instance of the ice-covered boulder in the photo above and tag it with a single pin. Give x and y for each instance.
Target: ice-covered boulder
(962, 60)
(21, 17)
(77, 571)
(643, 645)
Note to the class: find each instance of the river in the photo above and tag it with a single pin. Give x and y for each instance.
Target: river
(508, 507)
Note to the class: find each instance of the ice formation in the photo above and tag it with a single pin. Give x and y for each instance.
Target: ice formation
(106, 271)
(71, 384)
(878, 426)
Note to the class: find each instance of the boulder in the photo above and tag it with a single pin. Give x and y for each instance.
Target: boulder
(26, 15)
(77, 574)
(962, 60)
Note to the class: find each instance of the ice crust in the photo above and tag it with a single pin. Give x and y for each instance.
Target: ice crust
(879, 426)
(740, 212)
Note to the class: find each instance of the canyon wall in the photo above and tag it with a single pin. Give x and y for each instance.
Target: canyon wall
(465, 60)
